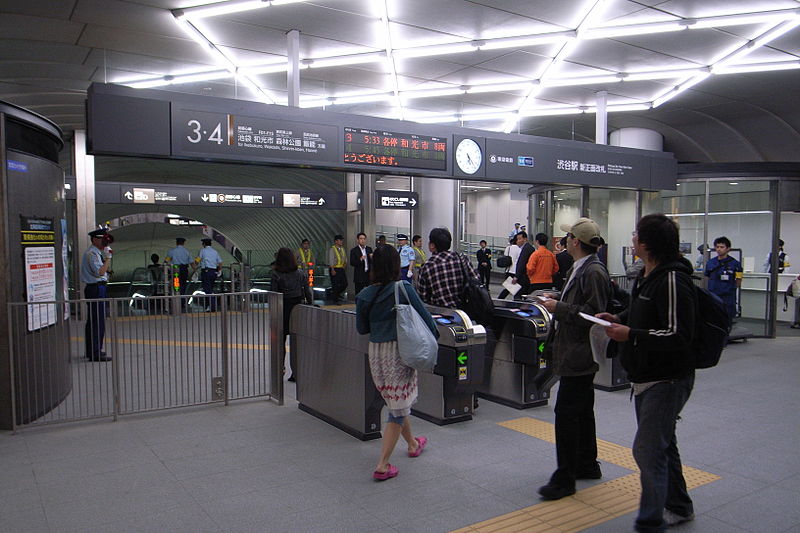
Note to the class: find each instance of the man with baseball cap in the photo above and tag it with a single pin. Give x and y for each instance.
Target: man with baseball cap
(94, 273)
(587, 289)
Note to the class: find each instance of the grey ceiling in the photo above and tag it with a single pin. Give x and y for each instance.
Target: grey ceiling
(51, 50)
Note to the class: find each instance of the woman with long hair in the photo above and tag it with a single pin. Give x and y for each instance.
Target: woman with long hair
(396, 382)
(288, 279)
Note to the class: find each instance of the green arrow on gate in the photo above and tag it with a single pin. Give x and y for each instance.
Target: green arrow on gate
(462, 358)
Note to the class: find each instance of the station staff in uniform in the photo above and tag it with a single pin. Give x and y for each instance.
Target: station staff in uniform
(94, 273)
(361, 260)
(180, 257)
(725, 275)
(484, 256)
(407, 257)
(419, 255)
(337, 261)
(210, 264)
(305, 257)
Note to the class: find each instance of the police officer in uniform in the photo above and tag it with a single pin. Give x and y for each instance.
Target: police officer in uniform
(180, 257)
(407, 257)
(725, 275)
(94, 273)
(210, 264)
(337, 261)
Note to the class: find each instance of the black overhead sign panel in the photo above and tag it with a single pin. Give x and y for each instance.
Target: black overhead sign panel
(396, 200)
(213, 196)
(165, 124)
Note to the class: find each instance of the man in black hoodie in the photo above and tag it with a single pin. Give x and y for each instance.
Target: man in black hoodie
(655, 333)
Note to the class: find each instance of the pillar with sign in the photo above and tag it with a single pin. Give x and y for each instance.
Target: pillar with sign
(34, 255)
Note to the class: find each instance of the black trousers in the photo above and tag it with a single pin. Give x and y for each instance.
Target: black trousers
(338, 283)
(484, 273)
(183, 278)
(95, 330)
(576, 441)
(208, 277)
(360, 285)
(288, 305)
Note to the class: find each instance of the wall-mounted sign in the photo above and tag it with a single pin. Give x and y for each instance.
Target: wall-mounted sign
(36, 230)
(396, 200)
(389, 149)
(40, 286)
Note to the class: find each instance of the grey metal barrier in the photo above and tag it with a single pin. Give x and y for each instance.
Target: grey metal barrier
(86, 359)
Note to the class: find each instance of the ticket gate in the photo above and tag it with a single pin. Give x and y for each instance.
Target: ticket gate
(334, 382)
(445, 395)
(517, 373)
(333, 378)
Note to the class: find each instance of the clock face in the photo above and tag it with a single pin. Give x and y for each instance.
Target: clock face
(468, 156)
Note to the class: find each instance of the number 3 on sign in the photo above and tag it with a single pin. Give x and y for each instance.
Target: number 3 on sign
(216, 135)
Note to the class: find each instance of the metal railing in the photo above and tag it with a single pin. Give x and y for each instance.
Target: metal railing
(156, 353)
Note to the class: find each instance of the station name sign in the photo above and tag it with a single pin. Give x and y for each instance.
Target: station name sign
(164, 124)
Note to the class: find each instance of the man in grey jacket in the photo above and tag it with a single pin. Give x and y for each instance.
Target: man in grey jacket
(587, 289)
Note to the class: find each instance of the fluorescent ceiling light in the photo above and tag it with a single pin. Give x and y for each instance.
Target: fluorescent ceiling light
(510, 123)
(662, 74)
(436, 49)
(742, 18)
(361, 99)
(225, 8)
(523, 41)
(756, 67)
(550, 112)
(430, 93)
(500, 87)
(338, 61)
(763, 39)
(632, 29)
(678, 89)
(583, 80)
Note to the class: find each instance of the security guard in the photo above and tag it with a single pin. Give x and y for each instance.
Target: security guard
(407, 257)
(94, 273)
(337, 261)
(180, 257)
(210, 264)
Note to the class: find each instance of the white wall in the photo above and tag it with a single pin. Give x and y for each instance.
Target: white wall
(494, 213)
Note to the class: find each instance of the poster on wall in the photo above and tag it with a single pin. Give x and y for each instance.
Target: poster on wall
(65, 270)
(40, 284)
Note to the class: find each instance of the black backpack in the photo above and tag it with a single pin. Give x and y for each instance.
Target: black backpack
(711, 328)
(475, 299)
(504, 261)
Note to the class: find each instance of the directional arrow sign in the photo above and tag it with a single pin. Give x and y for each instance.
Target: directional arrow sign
(396, 200)
(321, 201)
(204, 197)
(413, 202)
(129, 195)
(462, 358)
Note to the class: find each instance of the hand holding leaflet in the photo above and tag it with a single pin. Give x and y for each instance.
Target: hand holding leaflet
(590, 318)
(511, 287)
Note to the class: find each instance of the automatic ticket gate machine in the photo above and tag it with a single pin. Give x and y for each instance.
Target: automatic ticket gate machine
(517, 373)
(446, 394)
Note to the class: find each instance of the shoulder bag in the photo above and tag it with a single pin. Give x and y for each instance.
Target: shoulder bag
(415, 342)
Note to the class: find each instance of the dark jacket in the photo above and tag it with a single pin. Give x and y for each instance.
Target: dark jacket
(292, 284)
(375, 312)
(484, 256)
(588, 293)
(522, 263)
(564, 261)
(661, 317)
(359, 274)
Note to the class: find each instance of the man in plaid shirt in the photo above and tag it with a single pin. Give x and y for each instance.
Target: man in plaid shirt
(441, 278)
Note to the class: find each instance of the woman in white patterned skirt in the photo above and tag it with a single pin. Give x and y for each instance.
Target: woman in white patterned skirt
(396, 383)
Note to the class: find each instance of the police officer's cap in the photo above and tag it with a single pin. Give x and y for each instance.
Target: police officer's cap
(402, 237)
(179, 240)
(205, 241)
(98, 233)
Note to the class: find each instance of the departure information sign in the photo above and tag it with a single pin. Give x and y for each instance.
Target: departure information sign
(388, 149)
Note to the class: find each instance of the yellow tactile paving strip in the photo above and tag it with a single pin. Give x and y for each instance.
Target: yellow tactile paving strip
(587, 507)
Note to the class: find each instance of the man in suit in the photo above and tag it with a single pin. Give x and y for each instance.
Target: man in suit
(526, 249)
(484, 256)
(360, 260)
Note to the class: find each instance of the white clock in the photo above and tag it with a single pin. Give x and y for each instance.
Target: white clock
(468, 156)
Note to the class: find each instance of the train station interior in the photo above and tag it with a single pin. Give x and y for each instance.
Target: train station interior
(168, 402)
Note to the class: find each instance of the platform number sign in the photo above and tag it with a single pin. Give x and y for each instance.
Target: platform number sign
(198, 131)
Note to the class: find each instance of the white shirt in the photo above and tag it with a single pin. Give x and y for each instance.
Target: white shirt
(365, 256)
(513, 251)
(575, 266)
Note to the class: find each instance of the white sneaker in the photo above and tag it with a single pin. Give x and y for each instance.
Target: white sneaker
(673, 519)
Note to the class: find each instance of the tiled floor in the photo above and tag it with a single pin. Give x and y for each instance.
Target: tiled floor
(257, 467)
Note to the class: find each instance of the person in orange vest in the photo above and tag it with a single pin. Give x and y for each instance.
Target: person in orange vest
(542, 264)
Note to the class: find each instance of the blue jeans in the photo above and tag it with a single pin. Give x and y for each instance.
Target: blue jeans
(656, 452)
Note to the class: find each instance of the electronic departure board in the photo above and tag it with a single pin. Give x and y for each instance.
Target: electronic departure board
(387, 149)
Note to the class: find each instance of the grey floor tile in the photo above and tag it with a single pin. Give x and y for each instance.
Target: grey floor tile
(98, 463)
(22, 519)
(185, 519)
(347, 518)
(769, 509)
(240, 481)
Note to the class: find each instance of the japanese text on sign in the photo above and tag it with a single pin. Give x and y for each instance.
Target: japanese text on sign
(388, 149)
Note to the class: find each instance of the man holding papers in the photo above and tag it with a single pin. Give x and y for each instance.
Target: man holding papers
(587, 290)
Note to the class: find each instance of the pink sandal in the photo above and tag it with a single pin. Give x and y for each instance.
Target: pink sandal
(421, 442)
(391, 471)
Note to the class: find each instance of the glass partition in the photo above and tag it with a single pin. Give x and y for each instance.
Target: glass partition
(618, 206)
